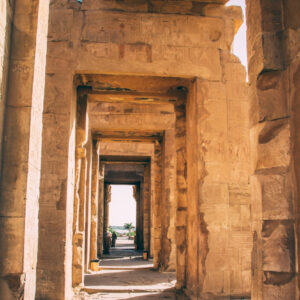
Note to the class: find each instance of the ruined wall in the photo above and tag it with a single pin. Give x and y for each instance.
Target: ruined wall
(273, 50)
(162, 40)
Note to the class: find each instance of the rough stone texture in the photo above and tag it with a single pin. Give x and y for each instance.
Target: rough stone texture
(272, 51)
(20, 174)
(94, 200)
(170, 82)
(6, 10)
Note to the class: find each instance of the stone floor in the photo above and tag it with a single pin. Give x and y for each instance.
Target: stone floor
(125, 275)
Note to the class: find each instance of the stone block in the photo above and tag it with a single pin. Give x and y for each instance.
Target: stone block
(276, 193)
(217, 261)
(160, 60)
(151, 29)
(292, 45)
(13, 190)
(217, 172)
(246, 282)
(181, 217)
(217, 241)
(216, 216)
(237, 91)
(238, 173)
(21, 74)
(239, 194)
(240, 239)
(214, 282)
(58, 95)
(235, 281)
(238, 114)
(12, 245)
(214, 193)
(271, 14)
(215, 125)
(60, 58)
(278, 246)
(239, 217)
(274, 147)
(171, 7)
(253, 114)
(127, 5)
(55, 135)
(271, 96)
(279, 291)
(213, 90)
(266, 54)
(235, 72)
(60, 25)
(143, 121)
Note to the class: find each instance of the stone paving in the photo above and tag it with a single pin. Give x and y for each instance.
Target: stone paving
(125, 275)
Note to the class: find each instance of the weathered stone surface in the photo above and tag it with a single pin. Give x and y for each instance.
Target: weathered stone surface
(273, 150)
(195, 215)
(279, 246)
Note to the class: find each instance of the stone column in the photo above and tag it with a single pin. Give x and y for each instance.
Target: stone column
(273, 187)
(94, 200)
(197, 235)
(168, 203)
(80, 192)
(21, 157)
(146, 208)
(88, 212)
(157, 209)
(6, 19)
(181, 191)
(107, 199)
(138, 199)
(100, 210)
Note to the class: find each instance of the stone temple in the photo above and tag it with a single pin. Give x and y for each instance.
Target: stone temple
(147, 93)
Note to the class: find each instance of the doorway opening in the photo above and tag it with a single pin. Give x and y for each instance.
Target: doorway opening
(120, 243)
(122, 216)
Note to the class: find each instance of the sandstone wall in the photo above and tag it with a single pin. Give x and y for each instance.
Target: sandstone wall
(93, 39)
(273, 49)
(21, 156)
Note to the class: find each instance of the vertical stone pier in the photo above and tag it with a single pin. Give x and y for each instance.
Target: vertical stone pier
(273, 184)
(22, 136)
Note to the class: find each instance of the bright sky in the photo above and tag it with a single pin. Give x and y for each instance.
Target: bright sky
(239, 43)
(122, 208)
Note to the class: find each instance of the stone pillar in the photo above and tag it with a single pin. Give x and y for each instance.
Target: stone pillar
(146, 208)
(94, 200)
(21, 157)
(88, 212)
(107, 199)
(273, 187)
(157, 206)
(6, 19)
(197, 235)
(168, 203)
(139, 217)
(80, 192)
(181, 191)
(100, 210)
